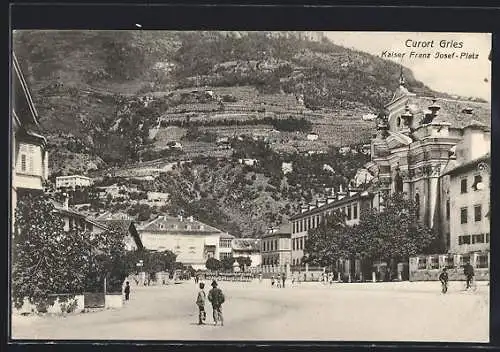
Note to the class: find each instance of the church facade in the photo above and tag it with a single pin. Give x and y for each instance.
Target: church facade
(414, 142)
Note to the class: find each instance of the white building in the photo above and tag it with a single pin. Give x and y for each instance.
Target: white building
(192, 241)
(312, 137)
(73, 181)
(247, 247)
(158, 198)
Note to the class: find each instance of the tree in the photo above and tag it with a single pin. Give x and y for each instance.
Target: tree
(213, 264)
(244, 262)
(327, 243)
(45, 259)
(227, 263)
(394, 233)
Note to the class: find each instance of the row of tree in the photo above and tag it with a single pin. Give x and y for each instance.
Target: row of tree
(227, 263)
(391, 234)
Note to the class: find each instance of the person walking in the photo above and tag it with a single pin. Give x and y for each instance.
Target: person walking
(272, 280)
(469, 274)
(283, 278)
(200, 302)
(216, 297)
(278, 281)
(443, 277)
(127, 291)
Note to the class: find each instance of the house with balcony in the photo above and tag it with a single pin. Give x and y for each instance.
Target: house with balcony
(29, 156)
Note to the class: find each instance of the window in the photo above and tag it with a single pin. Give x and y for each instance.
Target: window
(482, 261)
(355, 211)
(23, 162)
(313, 222)
(463, 185)
(478, 238)
(422, 263)
(477, 179)
(463, 215)
(293, 244)
(300, 225)
(477, 213)
(487, 238)
(447, 209)
(434, 262)
(275, 245)
(293, 227)
(464, 239)
(308, 223)
(349, 213)
(449, 262)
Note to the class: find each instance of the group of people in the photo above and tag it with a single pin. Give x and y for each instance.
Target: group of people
(469, 277)
(216, 298)
(280, 280)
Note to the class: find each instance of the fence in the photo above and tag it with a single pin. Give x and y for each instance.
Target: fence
(428, 267)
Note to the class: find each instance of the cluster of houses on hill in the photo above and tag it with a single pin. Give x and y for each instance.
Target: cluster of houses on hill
(435, 152)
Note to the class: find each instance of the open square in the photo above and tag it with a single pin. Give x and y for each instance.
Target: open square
(308, 311)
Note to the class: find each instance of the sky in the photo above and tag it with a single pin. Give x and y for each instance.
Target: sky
(469, 75)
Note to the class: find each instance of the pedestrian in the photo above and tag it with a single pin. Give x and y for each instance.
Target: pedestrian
(283, 278)
(200, 302)
(278, 281)
(272, 280)
(443, 277)
(216, 297)
(469, 274)
(127, 291)
(260, 277)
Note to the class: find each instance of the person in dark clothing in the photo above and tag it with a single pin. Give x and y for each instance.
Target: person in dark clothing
(216, 297)
(127, 291)
(200, 302)
(469, 274)
(443, 277)
(283, 278)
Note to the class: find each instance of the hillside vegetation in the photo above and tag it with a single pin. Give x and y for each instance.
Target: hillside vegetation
(109, 100)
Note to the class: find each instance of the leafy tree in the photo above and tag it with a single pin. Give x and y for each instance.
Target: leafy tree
(326, 243)
(45, 259)
(227, 263)
(213, 264)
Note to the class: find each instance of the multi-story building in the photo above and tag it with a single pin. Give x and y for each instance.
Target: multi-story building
(248, 247)
(312, 215)
(29, 163)
(158, 198)
(276, 249)
(412, 147)
(192, 241)
(72, 182)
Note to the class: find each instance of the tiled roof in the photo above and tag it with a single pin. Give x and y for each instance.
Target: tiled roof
(453, 111)
(167, 223)
(468, 165)
(246, 244)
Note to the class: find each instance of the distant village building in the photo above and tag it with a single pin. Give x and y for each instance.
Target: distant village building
(248, 162)
(158, 198)
(192, 241)
(369, 117)
(312, 137)
(72, 182)
(225, 247)
(275, 249)
(286, 167)
(248, 247)
(344, 150)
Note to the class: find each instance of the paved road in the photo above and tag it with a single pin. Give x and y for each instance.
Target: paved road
(255, 311)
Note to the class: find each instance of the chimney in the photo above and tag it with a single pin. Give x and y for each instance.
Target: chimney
(434, 108)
